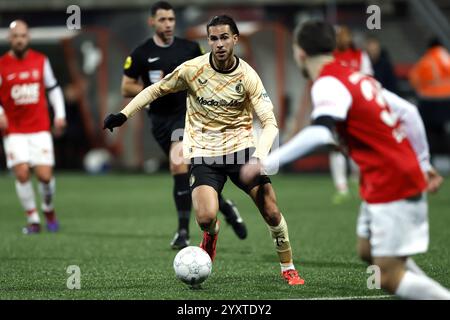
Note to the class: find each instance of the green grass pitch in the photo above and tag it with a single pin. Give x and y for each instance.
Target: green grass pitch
(117, 229)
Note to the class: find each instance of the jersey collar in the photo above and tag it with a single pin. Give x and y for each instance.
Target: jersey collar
(221, 71)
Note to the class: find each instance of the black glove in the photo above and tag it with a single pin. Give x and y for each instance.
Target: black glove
(114, 120)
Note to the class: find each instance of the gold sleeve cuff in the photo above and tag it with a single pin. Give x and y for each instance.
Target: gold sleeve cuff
(268, 135)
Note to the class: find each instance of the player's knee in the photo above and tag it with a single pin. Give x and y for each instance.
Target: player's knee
(205, 220)
(178, 168)
(388, 280)
(23, 175)
(45, 178)
(364, 255)
(390, 275)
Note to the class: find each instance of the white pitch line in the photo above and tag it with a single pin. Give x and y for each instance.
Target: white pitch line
(348, 298)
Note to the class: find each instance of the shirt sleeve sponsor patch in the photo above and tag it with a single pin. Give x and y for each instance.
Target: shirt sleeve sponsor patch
(265, 97)
(127, 63)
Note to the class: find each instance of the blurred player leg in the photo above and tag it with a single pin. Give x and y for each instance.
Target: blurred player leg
(363, 249)
(206, 205)
(264, 198)
(43, 160)
(18, 158)
(46, 189)
(181, 195)
(25, 192)
(233, 217)
(338, 167)
(396, 279)
(388, 233)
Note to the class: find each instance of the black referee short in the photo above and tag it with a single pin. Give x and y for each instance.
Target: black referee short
(213, 171)
(167, 129)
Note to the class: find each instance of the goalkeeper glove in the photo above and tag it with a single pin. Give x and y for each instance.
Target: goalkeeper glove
(114, 120)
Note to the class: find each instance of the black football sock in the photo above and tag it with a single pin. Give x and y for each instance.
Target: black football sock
(183, 200)
(225, 207)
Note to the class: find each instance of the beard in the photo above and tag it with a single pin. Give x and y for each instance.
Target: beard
(19, 52)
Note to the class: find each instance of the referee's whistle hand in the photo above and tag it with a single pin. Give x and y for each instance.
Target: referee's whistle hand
(114, 120)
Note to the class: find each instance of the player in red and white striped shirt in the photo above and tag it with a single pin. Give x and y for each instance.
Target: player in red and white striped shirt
(25, 77)
(385, 136)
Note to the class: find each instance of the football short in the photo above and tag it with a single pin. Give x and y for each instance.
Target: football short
(167, 129)
(32, 148)
(214, 171)
(397, 228)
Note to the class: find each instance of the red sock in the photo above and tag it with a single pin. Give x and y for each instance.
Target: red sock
(50, 216)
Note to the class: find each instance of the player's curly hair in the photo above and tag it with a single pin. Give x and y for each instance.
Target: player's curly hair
(223, 20)
(316, 37)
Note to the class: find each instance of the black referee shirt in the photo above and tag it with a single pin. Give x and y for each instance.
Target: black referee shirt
(151, 63)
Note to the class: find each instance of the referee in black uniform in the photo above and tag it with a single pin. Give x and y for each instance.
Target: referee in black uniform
(150, 62)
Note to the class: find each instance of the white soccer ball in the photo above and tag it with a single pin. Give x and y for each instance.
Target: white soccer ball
(192, 265)
(97, 161)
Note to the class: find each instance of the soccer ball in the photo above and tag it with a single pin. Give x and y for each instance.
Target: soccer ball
(192, 265)
(97, 161)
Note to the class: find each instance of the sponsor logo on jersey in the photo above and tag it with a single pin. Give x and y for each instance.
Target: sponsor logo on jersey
(128, 62)
(11, 76)
(155, 75)
(27, 93)
(215, 103)
(35, 74)
(202, 82)
(24, 75)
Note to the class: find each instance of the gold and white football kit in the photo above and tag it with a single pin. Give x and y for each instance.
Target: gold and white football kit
(220, 107)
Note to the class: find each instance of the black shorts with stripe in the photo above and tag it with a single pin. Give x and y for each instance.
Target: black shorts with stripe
(214, 171)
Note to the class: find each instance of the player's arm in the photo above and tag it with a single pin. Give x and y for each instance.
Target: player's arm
(366, 64)
(173, 82)
(3, 119)
(131, 86)
(331, 101)
(55, 97)
(415, 130)
(263, 108)
(304, 111)
(318, 135)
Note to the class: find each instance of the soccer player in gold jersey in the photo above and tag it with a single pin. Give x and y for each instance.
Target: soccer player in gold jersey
(223, 92)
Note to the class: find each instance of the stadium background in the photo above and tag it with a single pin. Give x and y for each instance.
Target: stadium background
(117, 227)
(88, 62)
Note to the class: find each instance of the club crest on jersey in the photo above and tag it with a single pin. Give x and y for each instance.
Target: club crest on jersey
(239, 87)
